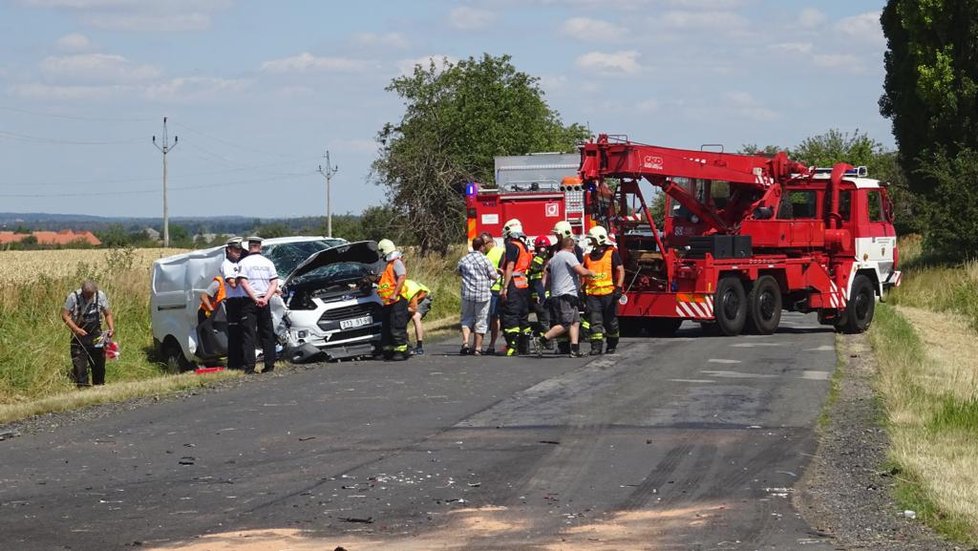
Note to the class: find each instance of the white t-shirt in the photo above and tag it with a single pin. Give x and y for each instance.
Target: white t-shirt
(231, 270)
(259, 271)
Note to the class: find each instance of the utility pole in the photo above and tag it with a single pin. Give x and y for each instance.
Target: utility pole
(165, 148)
(328, 173)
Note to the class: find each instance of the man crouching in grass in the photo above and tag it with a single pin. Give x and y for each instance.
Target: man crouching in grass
(82, 314)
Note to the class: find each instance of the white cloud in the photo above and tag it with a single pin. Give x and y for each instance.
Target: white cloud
(845, 62)
(74, 42)
(811, 18)
(650, 105)
(306, 62)
(146, 22)
(802, 48)
(406, 66)
(388, 40)
(195, 89)
(470, 19)
(48, 92)
(743, 104)
(139, 15)
(553, 83)
(864, 27)
(711, 20)
(104, 68)
(592, 30)
(625, 62)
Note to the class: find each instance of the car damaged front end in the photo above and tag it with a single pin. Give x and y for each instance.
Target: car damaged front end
(329, 308)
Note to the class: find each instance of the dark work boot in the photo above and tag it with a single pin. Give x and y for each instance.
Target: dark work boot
(596, 348)
(612, 345)
(524, 344)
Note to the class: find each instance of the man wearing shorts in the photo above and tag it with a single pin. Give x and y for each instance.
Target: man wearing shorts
(563, 276)
(478, 275)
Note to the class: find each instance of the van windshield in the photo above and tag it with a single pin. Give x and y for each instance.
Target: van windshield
(286, 256)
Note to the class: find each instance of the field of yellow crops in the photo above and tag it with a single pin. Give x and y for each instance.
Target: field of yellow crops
(23, 266)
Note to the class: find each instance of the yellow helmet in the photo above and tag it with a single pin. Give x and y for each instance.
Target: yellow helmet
(386, 247)
(598, 235)
(513, 228)
(563, 229)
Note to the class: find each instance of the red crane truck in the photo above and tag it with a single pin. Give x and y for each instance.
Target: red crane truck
(744, 237)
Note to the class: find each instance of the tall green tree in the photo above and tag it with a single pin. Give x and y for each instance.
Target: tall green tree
(930, 90)
(931, 96)
(457, 118)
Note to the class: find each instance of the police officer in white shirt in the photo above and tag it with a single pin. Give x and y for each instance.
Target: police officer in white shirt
(235, 299)
(259, 279)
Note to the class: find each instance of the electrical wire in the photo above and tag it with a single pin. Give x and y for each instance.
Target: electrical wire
(56, 141)
(210, 185)
(75, 117)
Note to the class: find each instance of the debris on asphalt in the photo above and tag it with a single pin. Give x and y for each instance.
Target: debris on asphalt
(368, 520)
(187, 460)
(8, 434)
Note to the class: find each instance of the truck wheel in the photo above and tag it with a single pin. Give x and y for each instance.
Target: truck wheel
(172, 358)
(730, 306)
(662, 327)
(861, 305)
(764, 305)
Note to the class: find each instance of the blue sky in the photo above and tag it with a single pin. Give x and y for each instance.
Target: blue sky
(257, 91)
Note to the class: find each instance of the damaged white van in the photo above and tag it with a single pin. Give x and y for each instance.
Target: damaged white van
(329, 308)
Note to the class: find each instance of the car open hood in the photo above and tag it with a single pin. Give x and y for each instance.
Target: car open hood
(363, 252)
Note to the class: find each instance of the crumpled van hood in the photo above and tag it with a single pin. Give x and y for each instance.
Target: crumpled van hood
(363, 252)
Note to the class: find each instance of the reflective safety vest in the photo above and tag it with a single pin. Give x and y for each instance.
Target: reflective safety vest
(411, 288)
(209, 306)
(537, 265)
(602, 283)
(494, 255)
(522, 265)
(387, 284)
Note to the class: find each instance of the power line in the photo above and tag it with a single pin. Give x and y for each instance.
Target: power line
(73, 117)
(146, 191)
(56, 141)
(74, 183)
(229, 143)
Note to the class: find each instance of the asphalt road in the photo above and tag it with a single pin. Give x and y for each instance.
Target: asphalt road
(693, 442)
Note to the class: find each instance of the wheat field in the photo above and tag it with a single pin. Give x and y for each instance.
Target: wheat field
(23, 266)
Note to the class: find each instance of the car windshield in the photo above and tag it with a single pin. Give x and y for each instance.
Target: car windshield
(337, 271)
(286, 256)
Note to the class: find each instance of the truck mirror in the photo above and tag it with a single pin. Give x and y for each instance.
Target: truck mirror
(763, 213)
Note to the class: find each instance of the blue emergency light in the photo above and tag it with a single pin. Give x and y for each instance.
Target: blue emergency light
(471, 189)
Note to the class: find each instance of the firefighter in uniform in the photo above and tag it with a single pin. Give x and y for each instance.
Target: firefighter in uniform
(515, 292)
(419, 300)
(538, 292)
(603, 291)
(394, 314)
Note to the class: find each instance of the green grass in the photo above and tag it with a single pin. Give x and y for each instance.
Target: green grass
(34, 360)
(933, 284)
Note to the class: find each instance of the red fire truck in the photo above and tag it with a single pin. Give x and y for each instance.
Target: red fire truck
(744, 236)
(539, 189)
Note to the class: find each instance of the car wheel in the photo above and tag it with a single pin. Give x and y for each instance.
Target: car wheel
(172, 358)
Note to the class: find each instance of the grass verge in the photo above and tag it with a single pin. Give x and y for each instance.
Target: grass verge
(927, 381)
(115, 392)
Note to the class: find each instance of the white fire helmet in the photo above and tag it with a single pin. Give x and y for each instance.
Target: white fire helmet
(563, 229)
(513, 228)
(599, 236)
(386, 247)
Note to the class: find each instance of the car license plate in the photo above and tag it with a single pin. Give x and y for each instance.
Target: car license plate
(356, 322)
